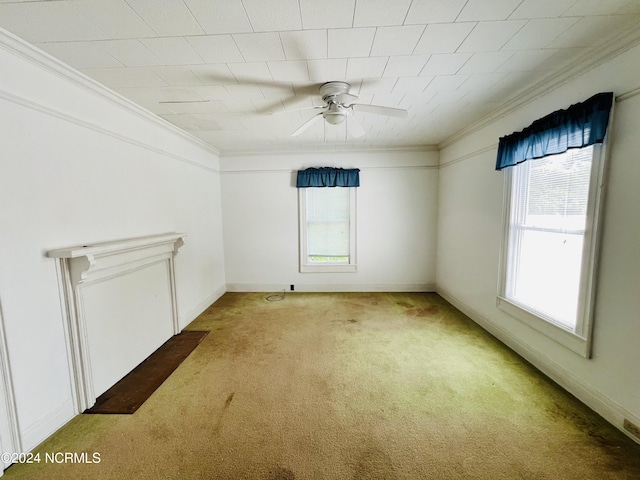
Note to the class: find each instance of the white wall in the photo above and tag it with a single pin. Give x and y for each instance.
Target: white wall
(469, 220)
(396, 221)
(79, 165)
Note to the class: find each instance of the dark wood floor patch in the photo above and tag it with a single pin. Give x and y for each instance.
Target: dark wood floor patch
(126, 396)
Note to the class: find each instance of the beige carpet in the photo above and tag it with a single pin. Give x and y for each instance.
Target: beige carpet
(345, 386)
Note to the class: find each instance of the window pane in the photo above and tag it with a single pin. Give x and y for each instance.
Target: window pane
(547, 274)
(328, 213)
(546, 234)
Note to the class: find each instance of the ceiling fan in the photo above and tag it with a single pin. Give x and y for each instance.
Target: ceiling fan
(340, 105)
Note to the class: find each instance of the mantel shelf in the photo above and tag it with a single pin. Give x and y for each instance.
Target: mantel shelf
(117, 246)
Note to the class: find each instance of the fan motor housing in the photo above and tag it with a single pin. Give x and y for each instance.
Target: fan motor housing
(333, 89)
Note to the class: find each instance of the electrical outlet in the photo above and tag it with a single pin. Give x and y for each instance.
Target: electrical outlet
(291, 287)
(632, 428)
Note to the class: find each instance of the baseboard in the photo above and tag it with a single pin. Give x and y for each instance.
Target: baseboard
(188, 317)
(333, 287)
(598, 402)
(36, 433)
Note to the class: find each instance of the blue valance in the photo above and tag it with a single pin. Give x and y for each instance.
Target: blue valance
(328, 177)
(578, 126)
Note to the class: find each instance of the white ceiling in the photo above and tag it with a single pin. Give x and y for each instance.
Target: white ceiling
(448, 62)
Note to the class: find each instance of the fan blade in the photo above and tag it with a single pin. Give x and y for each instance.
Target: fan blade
(346, 98)
(377, 109)
(184, 101)
(354, 128)
(307, 124)
(280, 112)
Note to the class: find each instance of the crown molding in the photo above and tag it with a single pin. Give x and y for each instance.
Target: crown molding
(323, 150)
(616, 46)
(25, 50)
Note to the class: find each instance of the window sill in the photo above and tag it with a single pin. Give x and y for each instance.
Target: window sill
(564, 337)
(328, 268)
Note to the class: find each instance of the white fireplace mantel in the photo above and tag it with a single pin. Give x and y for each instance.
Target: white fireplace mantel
(87, 266)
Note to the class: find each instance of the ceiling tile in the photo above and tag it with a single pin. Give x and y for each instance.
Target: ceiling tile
(199, 107)
(485, 62)
(130, 52)
(242, 102)
(48, 22)
(478, 86)
(259, 47)
(167, 17)
(251, 72)
(212, 92)
(490, 36)
(375, 86)
(289, 71)
(244, 92)
(172, 50)
(444, 63)
(529, 60)
(350, 42)
(273, 15)
(327, 14)
(590, 31)
(411, 84)
(309, 44)
(327, 70)
(218, 74)
(216, 48)
(371, 67)
(447, 83)
(405, 66)
(158, 94)
(277, 91)
(220, 16)
(483, 10)
(564, 56)
(374, 13)
(538, 33)
(80, 54)
(115, 17)
(434, 11)
(396, 40)
(126, 77)
(443, 37)
(177, 76)
(541, 9)
(595, 7)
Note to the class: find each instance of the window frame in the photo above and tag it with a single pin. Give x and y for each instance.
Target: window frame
(578, 339)
(326, 267)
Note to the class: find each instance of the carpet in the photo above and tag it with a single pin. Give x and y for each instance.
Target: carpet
(126, 396)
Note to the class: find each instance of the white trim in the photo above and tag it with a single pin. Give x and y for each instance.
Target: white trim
(333, 287)
(96, 128)
(294, 170)
(564, 337)
(594, 399)
(48, 424)
(23, 49)
(9, 426)
(323, 149)
(470, 155)
(89, 264)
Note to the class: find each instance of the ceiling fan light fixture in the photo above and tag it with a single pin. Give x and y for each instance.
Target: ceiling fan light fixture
(334, 118)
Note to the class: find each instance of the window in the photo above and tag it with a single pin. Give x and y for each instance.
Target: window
(327, 229)
(554, 172)
(549, 247)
